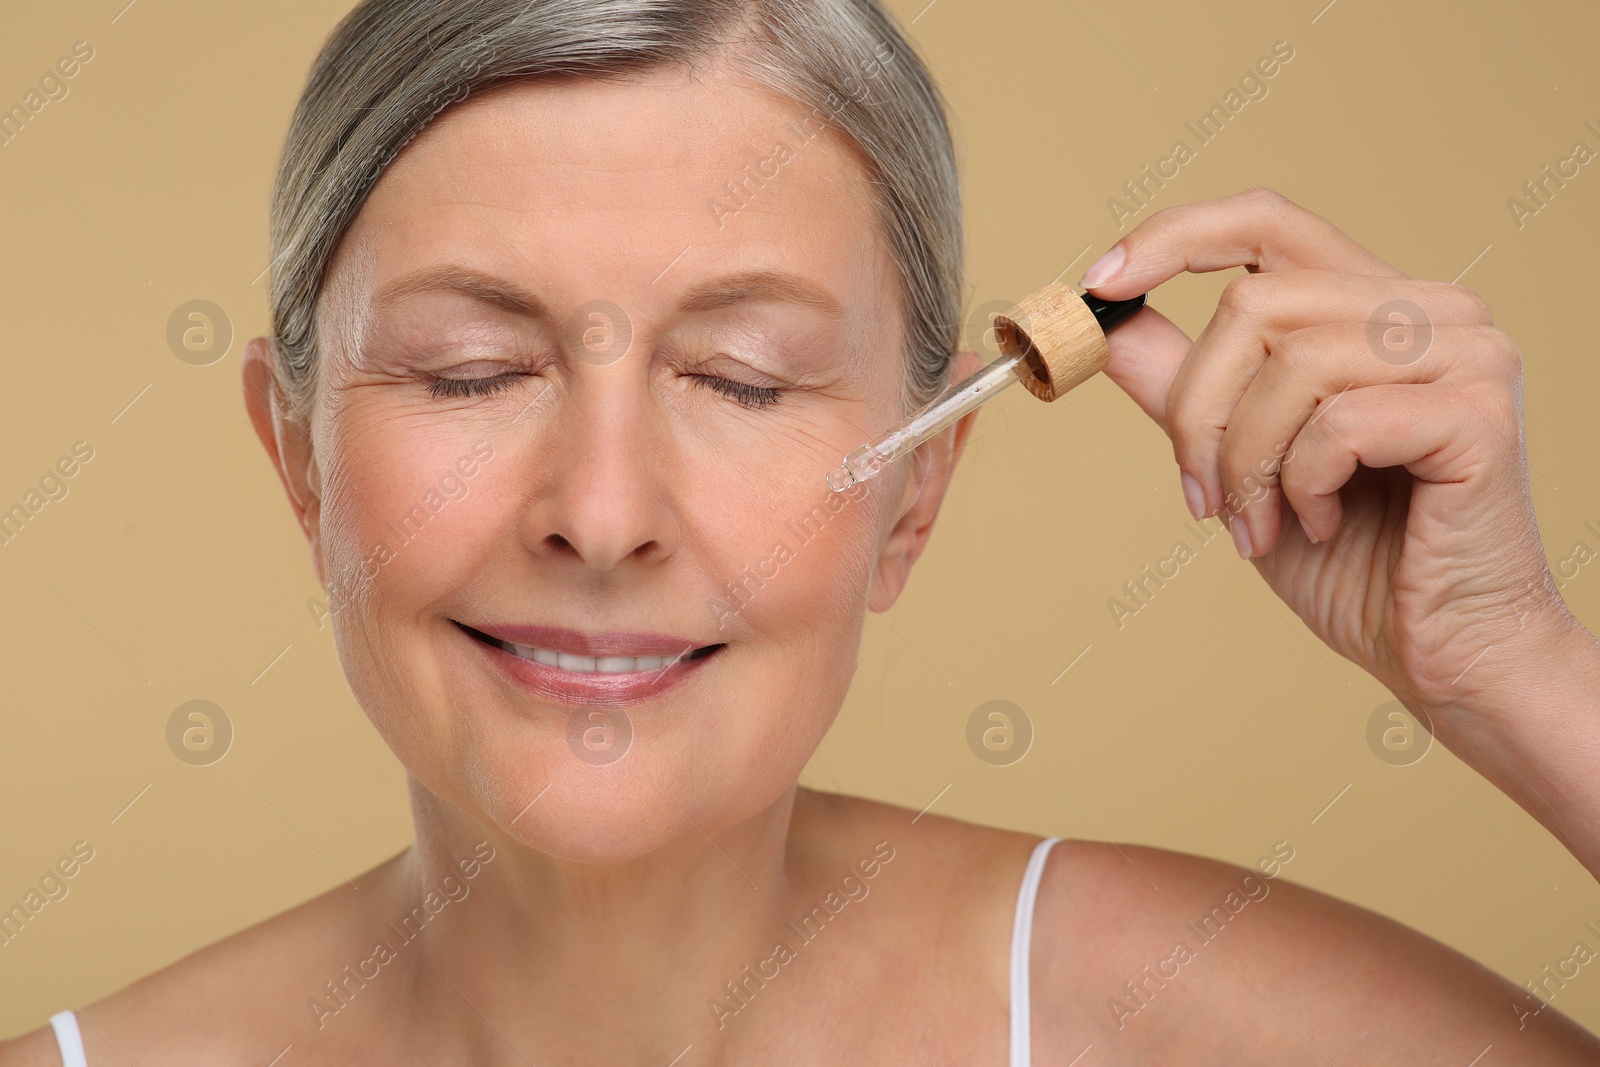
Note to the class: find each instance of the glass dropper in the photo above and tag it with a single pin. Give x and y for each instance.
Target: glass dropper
(1022, 363)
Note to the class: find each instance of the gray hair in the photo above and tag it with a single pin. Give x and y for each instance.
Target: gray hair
(391, 66)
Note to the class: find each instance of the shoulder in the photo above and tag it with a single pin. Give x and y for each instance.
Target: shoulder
(241, 999)
(36, 1048)
(1152, 954)
(953, 884)
(951, 858)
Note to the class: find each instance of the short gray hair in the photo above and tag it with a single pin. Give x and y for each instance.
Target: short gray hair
(391, 66)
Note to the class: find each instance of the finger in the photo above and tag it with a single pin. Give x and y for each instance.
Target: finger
(1318, 364)
(1436, 431)
(1145, 352)
(1255, 315)
(1259, 229)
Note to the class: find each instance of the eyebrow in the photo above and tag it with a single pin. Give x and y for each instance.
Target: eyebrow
(448, 278)
(718, 293)
(764, 284)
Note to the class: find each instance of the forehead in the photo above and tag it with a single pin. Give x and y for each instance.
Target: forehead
(632, 190)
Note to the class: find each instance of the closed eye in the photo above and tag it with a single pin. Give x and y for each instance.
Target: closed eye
(750, 396)
(443, 387)
(743, 393)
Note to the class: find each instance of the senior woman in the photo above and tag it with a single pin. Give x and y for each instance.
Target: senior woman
(573, 303)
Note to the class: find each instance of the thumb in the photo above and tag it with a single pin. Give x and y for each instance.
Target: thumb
(1145, 353)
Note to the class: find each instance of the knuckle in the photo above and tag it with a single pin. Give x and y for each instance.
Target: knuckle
(1247, 295)
(1262, 195)
(1474, 307)
(1228, 463)
(1183, 426)
(1499, 402)
(1327, 416)
(1175, 224)
(1249, 474)
(1272, 205)
(1300, 349)
(1294, 478)
(1272, 196)
(1166, 216)
(1504, 354)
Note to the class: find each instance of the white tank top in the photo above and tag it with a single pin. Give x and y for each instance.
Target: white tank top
(70, 1041)
(1021, 941)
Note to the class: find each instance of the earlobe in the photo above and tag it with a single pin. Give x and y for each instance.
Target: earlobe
(906, 538)
(925, 484)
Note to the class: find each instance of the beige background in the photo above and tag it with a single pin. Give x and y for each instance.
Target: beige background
(1212, 722)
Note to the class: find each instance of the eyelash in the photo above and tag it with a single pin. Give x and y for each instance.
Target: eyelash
(443, 387)
(754, 397)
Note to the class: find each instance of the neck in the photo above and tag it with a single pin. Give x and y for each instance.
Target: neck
(618, 960)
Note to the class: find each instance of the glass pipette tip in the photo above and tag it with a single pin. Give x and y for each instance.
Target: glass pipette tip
(960, 398)
(953, 403)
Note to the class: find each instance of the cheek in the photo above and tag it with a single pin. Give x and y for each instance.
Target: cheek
(770, 560)
(393, 499)
(793, 566)
(785, 558)
(396, 521)
(789, 583)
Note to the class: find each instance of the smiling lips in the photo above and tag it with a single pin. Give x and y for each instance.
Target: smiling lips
(574, 667)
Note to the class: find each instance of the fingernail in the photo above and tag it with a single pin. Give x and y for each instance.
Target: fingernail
(1193, 495)
(1102, 269)
(1241, 534)
(1309, 535)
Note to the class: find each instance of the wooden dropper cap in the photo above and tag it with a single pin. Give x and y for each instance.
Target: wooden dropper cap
(1060, 335)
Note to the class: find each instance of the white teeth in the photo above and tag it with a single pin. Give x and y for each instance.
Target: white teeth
(568, 662)
(588, 664)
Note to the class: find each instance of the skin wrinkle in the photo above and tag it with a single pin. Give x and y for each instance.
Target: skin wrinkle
(617, 496)
(620, 496)
(744, 469)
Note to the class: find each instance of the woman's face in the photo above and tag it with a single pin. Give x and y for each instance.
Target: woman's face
(587, 353)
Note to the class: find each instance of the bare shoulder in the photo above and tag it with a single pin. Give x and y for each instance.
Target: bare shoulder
(954, 860)
(1151, 955)
(36, 1048)
(240, 999)
(954, 884)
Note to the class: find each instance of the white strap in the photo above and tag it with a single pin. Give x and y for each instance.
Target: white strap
(1021, 939)
(68, 1039)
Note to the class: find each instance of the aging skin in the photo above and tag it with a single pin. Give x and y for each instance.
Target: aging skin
(612, 902)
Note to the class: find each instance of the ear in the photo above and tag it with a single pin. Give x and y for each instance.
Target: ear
(287, 445)
(923, 491)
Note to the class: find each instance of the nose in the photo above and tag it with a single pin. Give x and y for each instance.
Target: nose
(608, 485)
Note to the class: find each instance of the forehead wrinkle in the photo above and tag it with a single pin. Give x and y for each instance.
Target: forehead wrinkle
(431, 174)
